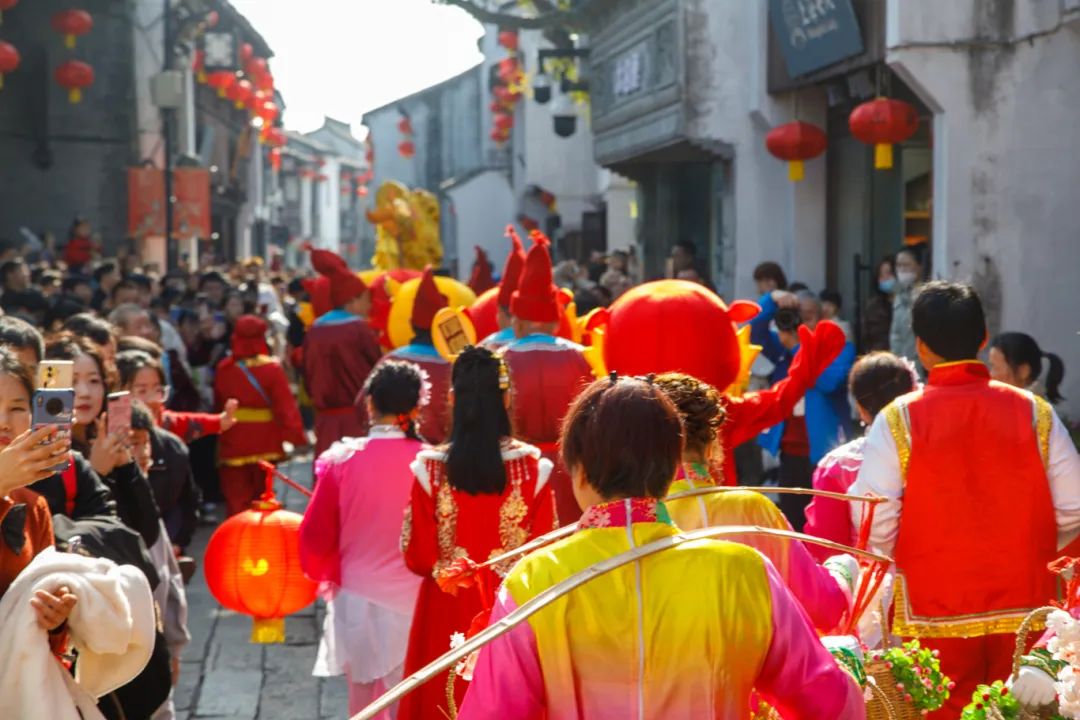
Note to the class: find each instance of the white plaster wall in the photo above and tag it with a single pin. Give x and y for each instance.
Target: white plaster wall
(1007, 181)
(622, 210)
(149, 41)
(483, 206)
(328, 194)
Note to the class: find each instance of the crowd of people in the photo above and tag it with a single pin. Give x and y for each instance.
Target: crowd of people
(432, 468)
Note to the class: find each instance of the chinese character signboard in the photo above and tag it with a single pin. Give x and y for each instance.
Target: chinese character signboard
(815, 33)
(146, 202)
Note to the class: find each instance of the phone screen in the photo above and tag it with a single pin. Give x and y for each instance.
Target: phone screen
(54, 407)
(119, 413)
(56, 374)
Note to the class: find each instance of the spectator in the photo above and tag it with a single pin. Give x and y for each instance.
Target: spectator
(131, 319)
(214, 287)
(769, 276)
(97, 331)
(106, 277)
(144, 288)
(683, 257)
(22, 340)
(124, 292)
(909, 275)
(1016, 359)
(80, 288)
(617, 277)
(80, 248)
(831, 304)
(877, 316)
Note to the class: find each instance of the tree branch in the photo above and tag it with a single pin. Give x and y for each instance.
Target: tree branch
(557, 18)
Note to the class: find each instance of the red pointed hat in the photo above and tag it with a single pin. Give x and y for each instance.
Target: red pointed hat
(537, 298)
(249, 337)
(511, 276)
(344, 284)
(481, 279)
(428, 301)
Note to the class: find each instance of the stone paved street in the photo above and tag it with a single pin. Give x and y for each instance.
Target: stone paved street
(224, 676)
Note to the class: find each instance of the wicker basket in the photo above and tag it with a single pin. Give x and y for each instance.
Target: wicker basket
(1034, 617)
(885, 702)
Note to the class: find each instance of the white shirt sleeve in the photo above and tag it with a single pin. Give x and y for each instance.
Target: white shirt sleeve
(880, 475)
(1063, 473)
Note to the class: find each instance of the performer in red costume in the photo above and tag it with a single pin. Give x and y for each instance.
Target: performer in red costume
(547, 372)
(680, 326)
(983, 484)
(267, 416)
(508, 285)
(435, 415)
(339, 351)
(481, 280)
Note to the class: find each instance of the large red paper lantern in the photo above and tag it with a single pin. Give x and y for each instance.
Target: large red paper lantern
(882, 123)
(406, 149)
(9, 60)
(796, 142)
(676, 326)
(252, 567)
(74, 76)
(240, 93)
(221, 80)
(71, 24)
(509, 39)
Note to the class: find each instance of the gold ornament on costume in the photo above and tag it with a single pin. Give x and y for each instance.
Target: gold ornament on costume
(748, 353)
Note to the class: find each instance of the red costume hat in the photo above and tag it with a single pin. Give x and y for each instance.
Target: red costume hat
(428, 301)
(344, 284)
(537, 298)
(318, 290)
(515, 262)
(249, 337)
(481, 279)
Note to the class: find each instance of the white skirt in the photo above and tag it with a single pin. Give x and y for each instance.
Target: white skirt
(364, 640)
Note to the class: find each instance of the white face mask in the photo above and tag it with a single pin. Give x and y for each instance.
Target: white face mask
(906, 278)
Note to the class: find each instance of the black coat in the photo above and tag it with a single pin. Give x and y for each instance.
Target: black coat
(92, 496)
(174, 487)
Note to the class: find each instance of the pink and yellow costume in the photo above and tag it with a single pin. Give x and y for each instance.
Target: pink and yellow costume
(828, 518)
(644, 641)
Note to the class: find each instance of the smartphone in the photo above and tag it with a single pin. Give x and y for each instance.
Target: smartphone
(119, 413)
(56, 374)
(54, 407)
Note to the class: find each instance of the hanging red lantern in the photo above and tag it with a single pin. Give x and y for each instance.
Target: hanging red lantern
(404, 125)
(9, 60)
(503, 95)
(796, 142)
(221, 80)
(211, 19)
(268, 111)
(265, 82)
(255, 68)
(198, 65)
(504, 121)
(74, 75)
(507, 68)
(406, 149)
(252, 566)
(71, 24)
(246, 53)
(273, 136)
(6, 5)
(240, 92)
(883, 122)
(500, 136)
(275, 159)
(509, 39)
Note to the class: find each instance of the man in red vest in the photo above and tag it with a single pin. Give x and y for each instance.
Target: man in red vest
(546, 372)
(340, 349)
(983, 485)
(435, 415)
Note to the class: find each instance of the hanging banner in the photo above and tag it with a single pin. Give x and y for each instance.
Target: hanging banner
(815, 33)
(146, 202)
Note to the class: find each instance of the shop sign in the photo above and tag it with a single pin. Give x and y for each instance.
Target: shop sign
(815, 33)
(628, 74)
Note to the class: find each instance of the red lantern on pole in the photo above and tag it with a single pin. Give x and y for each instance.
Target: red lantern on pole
(9, 60)
(240, 92)
(71, 24)
(509, 39)
(6, 5)
(796, 142)
(883, 122)
(406, 149)
(221, 80)
(252, 566)
(74, 75)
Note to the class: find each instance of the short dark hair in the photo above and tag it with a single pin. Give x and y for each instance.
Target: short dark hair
(831, 296)
(104, 269)
(798, 287)
(879, 378)
(626, 435)
(141, 281)
(948, 317)
(141, 417)
(134, 342)
(10, 365)
(90, 327)
(21, 335)
(73, 281)
(130, 362)
(9, 267)
(687, 246)
(124, 284)
(787, 319)
(771, 271)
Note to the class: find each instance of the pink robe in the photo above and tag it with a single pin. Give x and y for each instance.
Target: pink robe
(827, 518)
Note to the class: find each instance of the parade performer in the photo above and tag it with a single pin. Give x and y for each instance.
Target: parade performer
(267, 417)
(481, 280)
(480, 496)
(547, 371)
(983, 487)
(435, 416)
(680, 326)
(508, 285)
(688, 633)
(824, 592)
(350, 538)
(340, 349)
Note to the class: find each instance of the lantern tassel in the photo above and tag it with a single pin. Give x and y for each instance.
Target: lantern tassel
(201, 77)
(221, 92)
(796, 170)
(883, 156)
(75, 96)
(69, 42)
(268, 631)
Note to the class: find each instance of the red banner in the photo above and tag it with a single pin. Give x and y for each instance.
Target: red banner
(146, 202)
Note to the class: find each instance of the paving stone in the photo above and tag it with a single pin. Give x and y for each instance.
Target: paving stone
(289, 691)
(190, 678)
(300, 630)
(334, 701)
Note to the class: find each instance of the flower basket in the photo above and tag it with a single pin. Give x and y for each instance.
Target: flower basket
(910, 680)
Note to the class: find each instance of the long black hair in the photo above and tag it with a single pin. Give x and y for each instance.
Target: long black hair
(394, 388)
(1021, 349)
(474, 463)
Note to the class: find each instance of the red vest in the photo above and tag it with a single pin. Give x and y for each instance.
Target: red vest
(978, 525)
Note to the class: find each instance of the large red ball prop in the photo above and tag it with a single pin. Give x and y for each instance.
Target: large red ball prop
(675, 326)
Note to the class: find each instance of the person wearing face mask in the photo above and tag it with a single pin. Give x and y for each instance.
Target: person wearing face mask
(877, 315)
(909, 274)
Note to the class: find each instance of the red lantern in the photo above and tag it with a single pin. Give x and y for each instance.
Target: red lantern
(221, 80)
(265, 82)
(508, 68)
(6, 5)
(503, 95)
(882, 123)
(406, 149)
(404, 125)
(795, 142)
(211, 18)
(499, 137)
(273, 136)
(198, 65)
(246, 53)
(71, 24)
(255, 68)
(240, 92)
(268, 111)
(74, 76)
(362, 191)
(252, 566)
(504, 121)
(9, 60)
(275, 159)
(509, 39)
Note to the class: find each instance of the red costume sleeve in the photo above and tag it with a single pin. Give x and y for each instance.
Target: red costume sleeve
(544, 520)
(420, 542)
(190, 427)
(286, 412)
(320, 556)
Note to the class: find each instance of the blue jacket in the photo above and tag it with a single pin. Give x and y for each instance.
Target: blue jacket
(828, 412)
